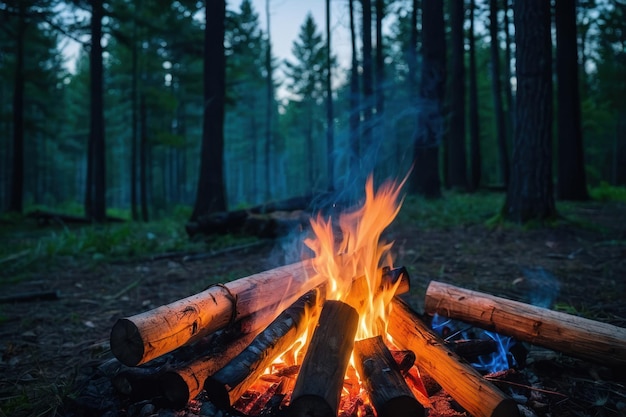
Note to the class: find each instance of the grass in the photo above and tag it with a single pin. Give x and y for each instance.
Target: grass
(27, 249)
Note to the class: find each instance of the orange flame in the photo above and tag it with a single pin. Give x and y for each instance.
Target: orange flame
(356, 251)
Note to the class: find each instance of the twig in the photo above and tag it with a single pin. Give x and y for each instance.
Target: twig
(123, 290)
(205, 255)
(15, 256)
(545, 391)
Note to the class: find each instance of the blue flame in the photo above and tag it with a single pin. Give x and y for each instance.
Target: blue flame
(500, 360)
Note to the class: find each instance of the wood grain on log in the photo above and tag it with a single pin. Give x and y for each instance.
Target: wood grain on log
(229, 383)
(140, 338)
(478, 396)
(318, 387)
(383, 381)
(576, 336)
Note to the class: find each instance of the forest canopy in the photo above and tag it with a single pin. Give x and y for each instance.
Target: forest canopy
(123, 130)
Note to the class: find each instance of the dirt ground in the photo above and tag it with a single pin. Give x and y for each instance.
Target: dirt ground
(46, 346)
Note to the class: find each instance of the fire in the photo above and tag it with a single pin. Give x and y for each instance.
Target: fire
(351, 258)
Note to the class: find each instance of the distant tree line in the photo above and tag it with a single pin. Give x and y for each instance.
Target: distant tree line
(181, 103)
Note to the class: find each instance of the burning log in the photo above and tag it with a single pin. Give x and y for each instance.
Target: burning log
(184, 383)
(229, 383)
(478, 396)
(140, 338)
(404, 358)
(320, 381)
(385, 385)
(576, 336)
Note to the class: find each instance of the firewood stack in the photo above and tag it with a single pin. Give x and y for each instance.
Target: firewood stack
(266, 313)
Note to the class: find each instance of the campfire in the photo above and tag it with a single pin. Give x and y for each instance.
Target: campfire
(329, 336)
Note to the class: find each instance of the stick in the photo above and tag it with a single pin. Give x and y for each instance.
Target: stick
(404, 358)
(381, 377)
(320, 381)
(576, 336)
(229, 383)
(479, 397)
(140, 338)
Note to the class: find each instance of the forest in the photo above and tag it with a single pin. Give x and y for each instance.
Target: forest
(156, 150)
(124, 131)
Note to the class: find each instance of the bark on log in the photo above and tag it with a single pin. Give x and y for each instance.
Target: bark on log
(226, 386)
(576, 336)
(383, 381)
(478, 396)
(181, 384)
(137, 339)
(320, 381)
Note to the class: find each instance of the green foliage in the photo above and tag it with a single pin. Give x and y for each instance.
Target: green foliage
(606, 192)
(454, 209)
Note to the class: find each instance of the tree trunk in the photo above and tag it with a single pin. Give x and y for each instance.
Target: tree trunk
(572, 184)
(497, 92)
(211, 195)
(135, 123)
(429, 131)
(529, 195)
(368, 82)
(457, 165)
(96, 131)
(475, 154)
(380, 64)
(143, 158)
(508, 86)
(355, 112)
(17, 184)
(269, 85)
(330, 139)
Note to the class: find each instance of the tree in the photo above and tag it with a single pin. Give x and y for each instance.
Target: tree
(354, 111)
(430, 122)
(95, 204)
(530, 192)
(211, 195)
(17, 189)
(497, 92)
(329, 105)
(457, 165)
(474, 123)
(572, 184)
(306, 79)
(367, 78)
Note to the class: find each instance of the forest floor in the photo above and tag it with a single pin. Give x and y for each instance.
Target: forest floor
(47, 347)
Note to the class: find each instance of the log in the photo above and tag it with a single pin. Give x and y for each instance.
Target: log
(318, 387)
(476, 395)
(226, 386)
(185, 382)
(575, 336)
(380, 375)
(405, 359)
(140, 338)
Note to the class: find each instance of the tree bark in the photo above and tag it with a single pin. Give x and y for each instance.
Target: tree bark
(474, 122)
(355, 111)
(530, 192)
(572, 183)
(320, 381)
(368, 81)
(381, 377)
(269, 111)
(380, 65)
(16, 203)
(210, 194)
(143, 158)
(496, 84)
(576, 336)
(96, 126)
(430, 123)
(330, 139)
(457, 165)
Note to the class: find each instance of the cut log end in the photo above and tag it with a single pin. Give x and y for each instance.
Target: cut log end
(175, 389)
(126, 342)
(218, 393)
(506, 408)
(310, 406)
